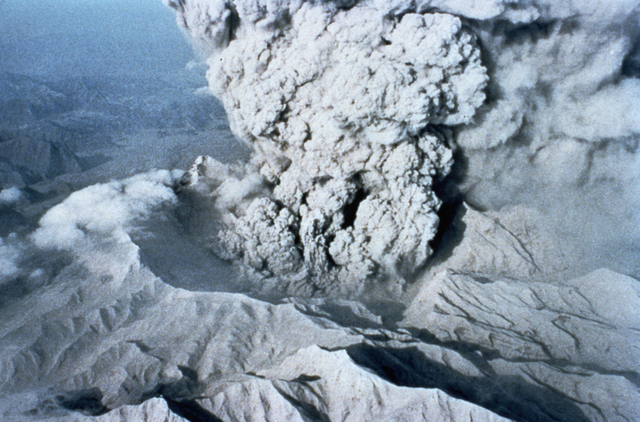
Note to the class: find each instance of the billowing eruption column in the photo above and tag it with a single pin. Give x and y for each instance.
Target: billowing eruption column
(345, 106)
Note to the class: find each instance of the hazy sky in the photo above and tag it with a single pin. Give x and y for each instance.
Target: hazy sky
(58, 38)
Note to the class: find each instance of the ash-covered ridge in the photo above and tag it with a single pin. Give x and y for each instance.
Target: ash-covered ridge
(94, 334)
(340, 103)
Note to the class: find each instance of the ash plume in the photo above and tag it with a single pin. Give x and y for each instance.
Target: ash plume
(346, 103)
(339, 102)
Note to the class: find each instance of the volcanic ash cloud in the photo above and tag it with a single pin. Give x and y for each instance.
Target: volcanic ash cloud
(339, 103)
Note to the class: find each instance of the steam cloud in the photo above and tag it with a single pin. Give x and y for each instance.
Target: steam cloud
(94, 222)
(10, 196)
(92, 228)
(353, 109)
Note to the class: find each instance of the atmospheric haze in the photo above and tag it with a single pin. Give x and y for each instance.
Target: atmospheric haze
(326, 210)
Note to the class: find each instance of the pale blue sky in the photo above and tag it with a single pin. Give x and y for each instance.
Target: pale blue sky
(59, 38)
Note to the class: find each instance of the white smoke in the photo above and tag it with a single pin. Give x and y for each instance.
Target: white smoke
(10, 196)
(9, 255)
(95, 223)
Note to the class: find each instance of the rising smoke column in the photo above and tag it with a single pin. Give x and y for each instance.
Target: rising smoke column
(339, 102)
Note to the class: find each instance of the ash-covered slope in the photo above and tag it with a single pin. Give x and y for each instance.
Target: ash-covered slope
(103, 331)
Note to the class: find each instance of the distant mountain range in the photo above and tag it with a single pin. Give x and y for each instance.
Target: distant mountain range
(51, 128)
(52, 133)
